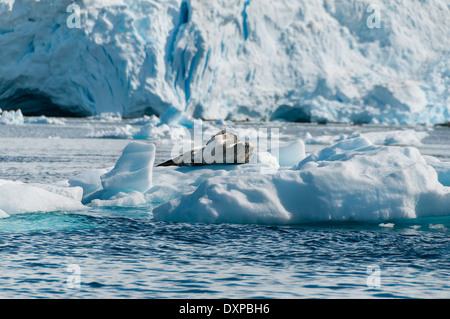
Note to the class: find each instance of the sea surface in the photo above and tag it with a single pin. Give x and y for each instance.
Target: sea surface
(114, 252)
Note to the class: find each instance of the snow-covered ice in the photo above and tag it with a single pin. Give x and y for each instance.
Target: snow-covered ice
(353, 180)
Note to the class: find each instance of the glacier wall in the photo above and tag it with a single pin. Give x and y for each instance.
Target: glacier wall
(229, 59)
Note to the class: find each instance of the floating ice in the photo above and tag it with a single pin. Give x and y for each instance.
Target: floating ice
(132, 172)
(17, 197)
(3, 214)
(126, 131)
(107, 117)
(44, 120)
(353, 180)
(12, 117)
(89, 181)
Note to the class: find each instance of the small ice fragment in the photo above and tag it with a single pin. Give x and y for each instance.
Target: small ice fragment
(133, 170)
(437, 226)
(2, 213)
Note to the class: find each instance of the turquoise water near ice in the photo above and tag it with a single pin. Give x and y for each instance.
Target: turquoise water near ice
(123, 253)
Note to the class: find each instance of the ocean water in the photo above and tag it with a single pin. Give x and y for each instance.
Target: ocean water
(113, 252)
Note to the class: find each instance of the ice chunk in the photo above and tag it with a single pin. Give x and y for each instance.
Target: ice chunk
(17, 197)
(12, 117)
(133, 170)
(2, 213)
(289, 154)
(107, 117)
(88, 180)
(126, 131)
(352, 180)
(44, 120)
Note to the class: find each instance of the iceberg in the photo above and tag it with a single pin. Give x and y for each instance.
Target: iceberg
(321, 61)
(352, 180)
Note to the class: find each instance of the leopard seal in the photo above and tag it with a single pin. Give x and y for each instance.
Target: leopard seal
(223, 148)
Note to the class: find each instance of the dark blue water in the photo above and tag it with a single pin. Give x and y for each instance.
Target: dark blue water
(134, 257)
(123, 253)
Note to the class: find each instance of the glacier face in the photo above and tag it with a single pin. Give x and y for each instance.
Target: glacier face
(257, 59)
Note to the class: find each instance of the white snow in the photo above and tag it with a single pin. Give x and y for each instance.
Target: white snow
(268, 59)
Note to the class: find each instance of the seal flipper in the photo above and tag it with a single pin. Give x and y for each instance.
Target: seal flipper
(168, 163)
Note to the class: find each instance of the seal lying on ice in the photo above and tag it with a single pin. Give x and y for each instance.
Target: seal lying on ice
(222, 148)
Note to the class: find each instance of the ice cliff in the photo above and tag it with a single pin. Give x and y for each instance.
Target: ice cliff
(332, 60)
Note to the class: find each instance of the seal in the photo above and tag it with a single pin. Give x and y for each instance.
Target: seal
(223, 148)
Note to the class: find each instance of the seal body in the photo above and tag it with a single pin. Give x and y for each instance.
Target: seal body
(223, 148)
